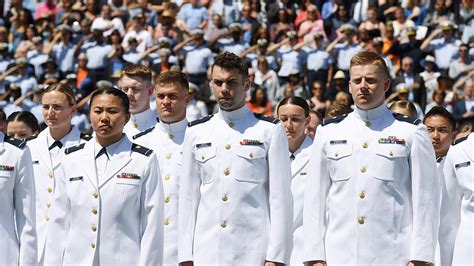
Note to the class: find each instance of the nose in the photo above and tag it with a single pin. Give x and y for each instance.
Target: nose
(436, 134)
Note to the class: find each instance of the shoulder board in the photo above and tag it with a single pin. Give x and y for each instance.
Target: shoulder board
(200, 120)
(15, 142)
(144, 132)
(460, 140)
(74, 148)
(405, 118)
(31, 138)
(86, 136)
(266, 118)
(336, 119)
(142, 150)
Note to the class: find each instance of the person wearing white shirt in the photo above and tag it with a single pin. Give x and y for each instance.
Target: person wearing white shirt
(136, 83)
(47, 151)
(293, 112)
(17, 203)
(107, 207)
(166, 139)
(370, 196)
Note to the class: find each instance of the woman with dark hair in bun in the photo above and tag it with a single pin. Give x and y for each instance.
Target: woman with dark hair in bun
(108, 203)
(293, 112)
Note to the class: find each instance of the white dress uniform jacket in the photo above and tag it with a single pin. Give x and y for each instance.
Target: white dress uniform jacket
(235, 204)
(371, 195)
(115, 219)
(17, 204)
(140, 122)
(45, 168)
(457, 207)
(299, 167)
(167, 140)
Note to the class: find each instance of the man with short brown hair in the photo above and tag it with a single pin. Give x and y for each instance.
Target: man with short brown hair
(371, 198)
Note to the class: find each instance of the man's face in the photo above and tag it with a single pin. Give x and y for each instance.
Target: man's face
(229, 88)
(312, 125)
(407, 65)
(441, 134)
(368, 86)
(138, 92)
(171, 101)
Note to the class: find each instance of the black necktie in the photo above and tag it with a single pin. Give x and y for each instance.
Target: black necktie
(102, 151)
(57, 143)
(292, 157)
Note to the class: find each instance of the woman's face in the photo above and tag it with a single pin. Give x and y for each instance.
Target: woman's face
(57, 111)
(259, 95)
(108, 116)
(371, 15)
(317, 90)
(19, 130)
(282, 15)
(293, 119)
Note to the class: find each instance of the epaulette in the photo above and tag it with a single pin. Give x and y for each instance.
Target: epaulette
(74, 148)
(200, 120)
(86, 136)
(266, 118)
(460, 140)
(405, 118)
(15, 142)
(336, 119)
(144, 132)
(142, 150)
(31, 138)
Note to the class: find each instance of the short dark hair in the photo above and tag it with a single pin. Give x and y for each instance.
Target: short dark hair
(26, 117)
(115, 92)
(230, 61)
(441, 111)
(295, 100)
(173, 77)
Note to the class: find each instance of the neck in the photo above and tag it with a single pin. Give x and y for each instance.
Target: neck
(59, 133)
(441, 154)
(107, 141)
(295, 144)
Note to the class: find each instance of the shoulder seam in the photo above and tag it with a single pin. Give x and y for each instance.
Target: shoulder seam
(266, 118)
(144, 132)
(200, 120)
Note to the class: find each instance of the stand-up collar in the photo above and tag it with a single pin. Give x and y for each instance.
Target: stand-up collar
(234, 115)
(371, 114)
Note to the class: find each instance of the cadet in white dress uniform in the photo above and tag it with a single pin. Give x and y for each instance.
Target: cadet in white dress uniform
(47, 151)
(235, 205)
(17, 204)
(166, 139)
(440, 124)
(293, 113)
(371, 197)
(136, 83)
(108, 203)
(457, 205)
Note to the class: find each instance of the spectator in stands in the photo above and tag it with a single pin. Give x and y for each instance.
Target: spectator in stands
(21, 78)
(317, 101)
(107, 22)
(312, 24)
(259, 102)
(463, 110)
(193, 16)
(343, 52)
(445, 49)
(412, 81)
(279, 29)
(339, 84)
(373, 27)
(267, 79)
(61, 48)
(404, 107)
(140, 32)
(462, 65)
(319, 63)
(316, 119)
(438, 15)
(429, 76)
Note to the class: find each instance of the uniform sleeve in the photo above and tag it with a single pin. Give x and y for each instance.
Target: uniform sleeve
(450, 210)
(425, 196)
(314, 211)
(152, 212)
(58, 228)
(280, 198)
(25, 209)
(189, 197)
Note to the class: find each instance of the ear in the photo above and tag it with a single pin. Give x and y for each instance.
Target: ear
(73, 110)
(187, 99)
(247, 84)
(150, 91)
(127, 118)
(307, 120)
(387, 84)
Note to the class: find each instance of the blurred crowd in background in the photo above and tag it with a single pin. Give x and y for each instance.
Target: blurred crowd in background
(295, 48)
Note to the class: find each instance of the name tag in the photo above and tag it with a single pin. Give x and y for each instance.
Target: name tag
(79, 178)
(203, 145)
(340, 141)
(128, 176)
(35, 162)
(460, 165)
(303, 173)
(251, 142)
(8, 168)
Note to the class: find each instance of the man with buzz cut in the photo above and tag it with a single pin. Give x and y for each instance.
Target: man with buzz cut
(166, 139)
(372, 197)
(137, 84)
(235, 202)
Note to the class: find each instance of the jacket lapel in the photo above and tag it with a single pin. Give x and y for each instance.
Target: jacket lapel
(302, 158)
(73, 138)
(89, 162)
(45, 157)
(118, 160)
